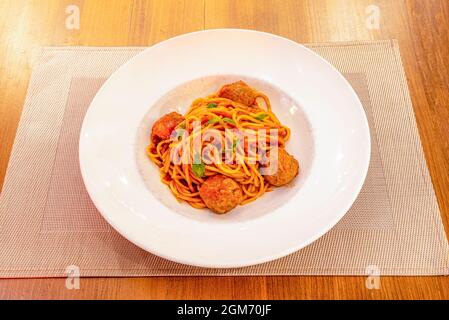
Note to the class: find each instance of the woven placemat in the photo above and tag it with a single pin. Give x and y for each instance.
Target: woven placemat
(48, 222)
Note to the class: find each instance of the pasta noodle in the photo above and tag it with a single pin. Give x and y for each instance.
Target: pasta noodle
(232, 154)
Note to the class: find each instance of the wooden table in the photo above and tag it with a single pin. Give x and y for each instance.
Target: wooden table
(421, 26)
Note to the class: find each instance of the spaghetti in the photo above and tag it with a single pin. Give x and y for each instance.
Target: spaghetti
(233, 110)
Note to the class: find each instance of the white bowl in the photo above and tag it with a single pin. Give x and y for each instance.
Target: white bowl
(330, 138)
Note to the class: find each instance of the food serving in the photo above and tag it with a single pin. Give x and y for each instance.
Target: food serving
(227, 150)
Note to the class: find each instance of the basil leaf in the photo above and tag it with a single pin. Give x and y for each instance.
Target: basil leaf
(213, 120)
(261, 116)
(229, 120)
(198, 167)
(211, 105)
(199, 170)
(234, 145)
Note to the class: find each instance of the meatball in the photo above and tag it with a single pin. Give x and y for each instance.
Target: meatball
(240, 92)
(287, 169)
(220, 193)
(164, 126)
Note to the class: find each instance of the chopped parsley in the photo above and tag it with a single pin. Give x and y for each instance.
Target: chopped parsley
(261, 116)
(198, 167)
(213, 120)
(229, 120)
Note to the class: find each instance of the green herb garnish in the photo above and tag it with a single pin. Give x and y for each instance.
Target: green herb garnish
(229, 120)
(234, 144)
(198, 167)
(213, 120)
(261, 116)
(211, 105)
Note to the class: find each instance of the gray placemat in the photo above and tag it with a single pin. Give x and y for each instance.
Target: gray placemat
(48, 222)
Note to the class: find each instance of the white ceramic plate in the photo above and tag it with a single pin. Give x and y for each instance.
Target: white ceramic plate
(330, 138)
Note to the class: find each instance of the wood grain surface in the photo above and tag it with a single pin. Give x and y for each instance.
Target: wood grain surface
(421, 26)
